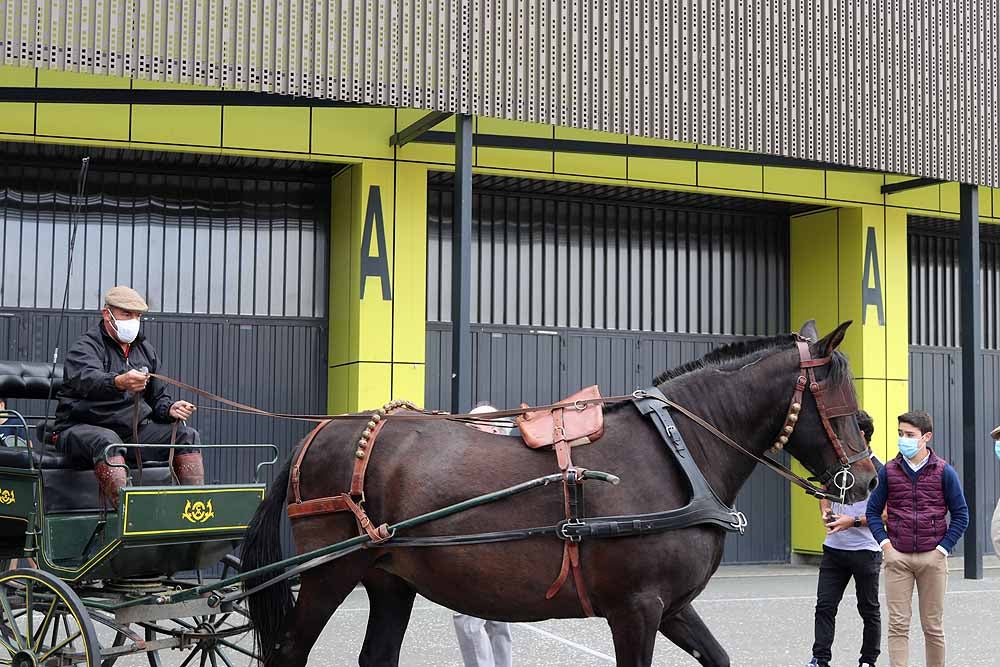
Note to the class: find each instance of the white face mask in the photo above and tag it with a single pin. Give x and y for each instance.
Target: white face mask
(126, 330)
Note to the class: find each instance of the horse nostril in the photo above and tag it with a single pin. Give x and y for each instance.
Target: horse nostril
(872, 484)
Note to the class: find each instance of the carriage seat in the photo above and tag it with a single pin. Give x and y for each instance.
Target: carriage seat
(29, 379)
(580, 427)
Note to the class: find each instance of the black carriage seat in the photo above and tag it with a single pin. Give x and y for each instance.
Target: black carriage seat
(67, 486)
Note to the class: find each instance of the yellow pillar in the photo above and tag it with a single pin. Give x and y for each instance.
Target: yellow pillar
(377, 292)
(851, 264)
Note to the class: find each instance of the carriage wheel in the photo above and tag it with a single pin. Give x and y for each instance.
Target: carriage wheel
(227, 641)
(42, 622)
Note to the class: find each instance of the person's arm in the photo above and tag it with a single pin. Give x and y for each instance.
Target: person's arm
(876, 505)
(957, 507)
(156, 393)
(85, 374)
(824, 507)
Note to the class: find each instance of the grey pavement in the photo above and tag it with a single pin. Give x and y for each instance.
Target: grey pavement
(763, 615)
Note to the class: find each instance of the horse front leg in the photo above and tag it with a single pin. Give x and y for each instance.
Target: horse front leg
(321, 592)
(390, 601)
(633, 629)
(689, 632)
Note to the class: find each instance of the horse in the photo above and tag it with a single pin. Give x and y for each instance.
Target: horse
(640, 585)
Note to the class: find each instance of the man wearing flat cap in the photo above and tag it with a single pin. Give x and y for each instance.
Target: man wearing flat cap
(108, 397)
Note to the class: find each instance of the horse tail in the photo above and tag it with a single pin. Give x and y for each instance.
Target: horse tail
(268, 607)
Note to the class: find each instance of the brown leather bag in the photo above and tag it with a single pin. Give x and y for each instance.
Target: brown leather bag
(581, 426)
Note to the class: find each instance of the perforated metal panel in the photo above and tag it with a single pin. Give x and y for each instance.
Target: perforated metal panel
(908, 87)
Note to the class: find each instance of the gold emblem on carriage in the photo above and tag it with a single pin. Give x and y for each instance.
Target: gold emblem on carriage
(198, 512)
(7, 497)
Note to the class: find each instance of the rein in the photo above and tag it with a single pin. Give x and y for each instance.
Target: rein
(807, 364)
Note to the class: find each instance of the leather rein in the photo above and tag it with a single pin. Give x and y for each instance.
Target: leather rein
(829, 403)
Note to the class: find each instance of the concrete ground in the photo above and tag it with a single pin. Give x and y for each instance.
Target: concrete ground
(763, 615)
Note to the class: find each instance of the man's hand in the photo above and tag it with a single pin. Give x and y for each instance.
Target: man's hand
(842, 522)
(132, 380)
(182, 410)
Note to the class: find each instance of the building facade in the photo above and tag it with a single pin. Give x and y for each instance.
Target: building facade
(295, 259)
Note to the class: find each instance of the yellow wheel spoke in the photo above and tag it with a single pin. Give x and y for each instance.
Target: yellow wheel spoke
(58, 646)
(12, 622)
(49, 615)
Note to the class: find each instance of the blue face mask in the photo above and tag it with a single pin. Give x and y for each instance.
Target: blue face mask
(909, 447)
(996, 448)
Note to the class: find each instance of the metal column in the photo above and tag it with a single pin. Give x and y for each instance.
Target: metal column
(973, 423)
(461, 339)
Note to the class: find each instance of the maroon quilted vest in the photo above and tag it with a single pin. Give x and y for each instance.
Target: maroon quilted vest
(916, 507)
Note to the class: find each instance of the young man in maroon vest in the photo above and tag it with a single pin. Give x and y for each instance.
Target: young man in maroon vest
(918, 489)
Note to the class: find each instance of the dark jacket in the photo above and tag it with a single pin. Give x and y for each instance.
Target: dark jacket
(88, 394)
(918, 503)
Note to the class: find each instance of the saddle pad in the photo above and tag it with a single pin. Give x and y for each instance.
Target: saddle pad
(580, 426)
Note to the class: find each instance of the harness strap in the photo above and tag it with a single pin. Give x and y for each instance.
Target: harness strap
(572, 504)
(295, 472)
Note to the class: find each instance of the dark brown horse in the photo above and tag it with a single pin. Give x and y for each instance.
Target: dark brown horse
(640, 585)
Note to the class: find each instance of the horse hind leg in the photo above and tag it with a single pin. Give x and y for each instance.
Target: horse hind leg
(390, 603)
(321, 592)
(689, 632)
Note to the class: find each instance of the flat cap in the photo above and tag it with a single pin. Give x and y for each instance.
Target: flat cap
(125, 298)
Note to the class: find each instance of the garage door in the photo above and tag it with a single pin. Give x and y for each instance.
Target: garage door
(231, 255)
(580, 284)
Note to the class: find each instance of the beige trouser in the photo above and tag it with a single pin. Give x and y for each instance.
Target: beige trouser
(929, 571)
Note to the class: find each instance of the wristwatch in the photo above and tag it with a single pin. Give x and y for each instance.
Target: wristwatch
(857, 522)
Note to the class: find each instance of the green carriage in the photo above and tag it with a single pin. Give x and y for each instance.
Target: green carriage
(101, 582)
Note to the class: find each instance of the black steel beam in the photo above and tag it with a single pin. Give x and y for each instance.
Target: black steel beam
(192, 97)
(971, 338)
(461, 268)
(414, 130)
(634, 150)
(890, 188)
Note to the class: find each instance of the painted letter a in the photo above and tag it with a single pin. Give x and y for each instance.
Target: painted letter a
(378, 266)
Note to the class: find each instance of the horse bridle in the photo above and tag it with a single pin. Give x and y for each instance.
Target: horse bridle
(831, 402)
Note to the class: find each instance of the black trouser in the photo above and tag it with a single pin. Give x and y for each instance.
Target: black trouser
(835, 571)
(85, 443)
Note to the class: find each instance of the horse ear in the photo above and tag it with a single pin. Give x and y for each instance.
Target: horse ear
(808, 331)
(833, 339)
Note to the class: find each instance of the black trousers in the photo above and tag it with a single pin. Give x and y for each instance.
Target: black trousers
(85, 443)
(835, 572)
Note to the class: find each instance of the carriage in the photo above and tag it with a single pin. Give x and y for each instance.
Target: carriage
(100, 583)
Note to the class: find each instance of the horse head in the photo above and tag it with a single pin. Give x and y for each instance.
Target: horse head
(822, 432)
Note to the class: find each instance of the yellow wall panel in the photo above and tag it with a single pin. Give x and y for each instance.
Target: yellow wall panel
(509, 158)
(808, 531)
(895, 282)
(950, 197)
(266, 128)
(986, 202)
(872, 399)
(995, 196)
(84, 121)
(661, 171)
(374, 388)
(338, 390)
(926, 198)
(355, 132)
(854, 186)
(814, 275)
(802, 182)
(731, 176)
(590, 165)
(408, 382)
(897, 399)
(414, 152)
(17, 117)
(169, 124)
(343, 309)
(49, 78)
(375, 312)
(17, 77)
(410, 264)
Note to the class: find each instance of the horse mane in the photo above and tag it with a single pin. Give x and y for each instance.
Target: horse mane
(740, 353)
